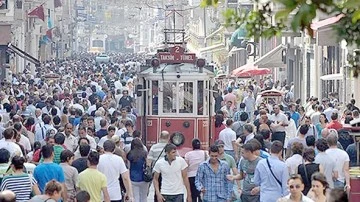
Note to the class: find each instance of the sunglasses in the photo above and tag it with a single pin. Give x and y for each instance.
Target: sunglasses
(295, 186)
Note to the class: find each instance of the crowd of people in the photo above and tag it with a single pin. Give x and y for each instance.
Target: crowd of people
(68, 132)
(72, 136)
(285, 150)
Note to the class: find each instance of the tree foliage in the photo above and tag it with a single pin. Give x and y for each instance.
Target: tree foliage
(297, 15)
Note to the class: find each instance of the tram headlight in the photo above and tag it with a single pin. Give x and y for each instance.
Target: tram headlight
(177, 139)
(200, 63)
(155, 63)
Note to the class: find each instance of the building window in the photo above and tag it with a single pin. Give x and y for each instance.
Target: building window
(3, 4)
(19, 4)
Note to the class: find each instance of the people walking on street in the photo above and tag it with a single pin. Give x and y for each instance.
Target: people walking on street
(113, 166)
(93, 181)
(211, 178)
(194, 158)
(174, 176)
(271, 175)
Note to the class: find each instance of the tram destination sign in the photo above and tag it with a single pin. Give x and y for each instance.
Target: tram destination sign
(176, 54)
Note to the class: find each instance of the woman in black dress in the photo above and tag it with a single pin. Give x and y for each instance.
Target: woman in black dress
(308, 168)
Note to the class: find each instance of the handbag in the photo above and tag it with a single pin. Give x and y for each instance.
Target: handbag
(148, 170)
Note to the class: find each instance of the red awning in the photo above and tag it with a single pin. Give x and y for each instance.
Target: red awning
(242, 68)
(326, 22)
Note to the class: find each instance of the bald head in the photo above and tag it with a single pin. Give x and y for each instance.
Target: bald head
(325, 132)
(7, 196)
(164, 136)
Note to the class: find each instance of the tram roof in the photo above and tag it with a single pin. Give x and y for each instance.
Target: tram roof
(183, 68)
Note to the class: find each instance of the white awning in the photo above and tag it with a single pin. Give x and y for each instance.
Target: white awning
(272, 59)
(234, 50)
(331, 77)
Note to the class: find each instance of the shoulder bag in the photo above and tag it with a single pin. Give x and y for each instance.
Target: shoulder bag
(272, 173)
(148, 170)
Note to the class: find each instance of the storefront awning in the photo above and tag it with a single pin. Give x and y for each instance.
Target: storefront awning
(324, 33)
(326, 22)
(23, 54)
(272, 59)
(332, 77)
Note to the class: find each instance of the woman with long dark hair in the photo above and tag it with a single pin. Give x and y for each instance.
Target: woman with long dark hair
(323, 121)
(308, 168)
(219, 125)
(137, 158)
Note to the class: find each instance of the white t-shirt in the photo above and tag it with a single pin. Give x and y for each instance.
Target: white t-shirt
(228, 136)
(25, 142)
(103, 140)
(277, 119)
(293, 162)
(112, 167)
(340, 157)
(12, 147)
(172, 181)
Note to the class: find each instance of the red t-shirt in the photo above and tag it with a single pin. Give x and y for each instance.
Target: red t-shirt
(218, 130)
(334, 125)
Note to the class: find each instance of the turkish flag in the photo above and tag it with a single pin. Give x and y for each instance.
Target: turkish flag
(49, 33)
(38, 12)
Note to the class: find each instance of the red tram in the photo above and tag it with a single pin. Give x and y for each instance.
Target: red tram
(174, 94)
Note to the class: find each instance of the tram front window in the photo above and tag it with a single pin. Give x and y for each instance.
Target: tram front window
(200, 98)
(169, 97)
(155, 97)
(186, 97)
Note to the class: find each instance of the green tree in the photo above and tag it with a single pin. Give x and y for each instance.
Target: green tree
(258, 24)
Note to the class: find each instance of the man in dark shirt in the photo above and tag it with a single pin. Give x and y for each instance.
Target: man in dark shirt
(103, 131)
(81, 163)
(125, 100)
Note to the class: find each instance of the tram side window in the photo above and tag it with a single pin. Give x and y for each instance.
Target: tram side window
(169, 97)
(186, 97)
(155, 97)
(200, 98)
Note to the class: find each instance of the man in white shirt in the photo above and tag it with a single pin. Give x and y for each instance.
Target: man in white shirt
(248, 132)
(316, 116)
(280, 122)
(24, 141)
(70, 139)
(329, 111)
(8, 143)
(42, 127)
(296, 159)
(342, 162)
(83, 133)
(228, 136)
(110, 134)
(113, 166)
(250, 104)
(174, 176)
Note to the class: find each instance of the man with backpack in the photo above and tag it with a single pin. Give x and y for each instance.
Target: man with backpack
(238, 126)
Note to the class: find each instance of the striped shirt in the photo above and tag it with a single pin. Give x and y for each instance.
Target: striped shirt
(156, 150)
(21, 185)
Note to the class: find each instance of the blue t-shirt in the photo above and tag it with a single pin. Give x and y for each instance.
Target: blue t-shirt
(137, 170)
(45, 172)
(295, 116)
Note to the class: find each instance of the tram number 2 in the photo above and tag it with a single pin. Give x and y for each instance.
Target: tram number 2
(149, 123)
(177, 49)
